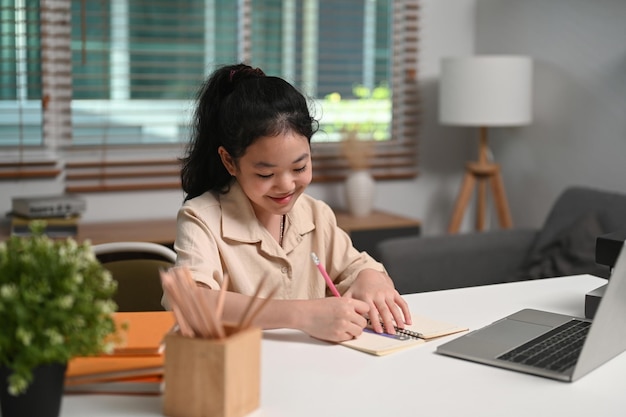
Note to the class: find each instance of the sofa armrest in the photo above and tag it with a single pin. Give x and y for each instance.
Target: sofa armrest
(418, 264)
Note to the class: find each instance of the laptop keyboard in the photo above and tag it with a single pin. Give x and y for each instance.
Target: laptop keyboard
(556, 350)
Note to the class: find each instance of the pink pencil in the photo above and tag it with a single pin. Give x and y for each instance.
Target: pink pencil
(329, 282)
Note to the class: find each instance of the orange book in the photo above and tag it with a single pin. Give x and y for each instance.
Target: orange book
(141, 333)
(136, 355)
(82, 370)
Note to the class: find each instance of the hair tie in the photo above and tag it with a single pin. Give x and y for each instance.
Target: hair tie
(249, 71)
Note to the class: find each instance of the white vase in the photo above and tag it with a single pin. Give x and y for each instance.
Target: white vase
(360, 187)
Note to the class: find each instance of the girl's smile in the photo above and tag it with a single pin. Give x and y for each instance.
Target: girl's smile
(283, 200)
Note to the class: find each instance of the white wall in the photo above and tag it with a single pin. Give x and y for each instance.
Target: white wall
(578, 135)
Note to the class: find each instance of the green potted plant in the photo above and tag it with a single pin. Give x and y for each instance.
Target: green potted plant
(55, 303)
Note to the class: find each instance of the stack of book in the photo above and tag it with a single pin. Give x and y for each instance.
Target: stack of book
(56, 227)
(61, 213)
(136, 365)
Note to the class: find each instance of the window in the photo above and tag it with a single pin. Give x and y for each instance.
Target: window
(106, 87)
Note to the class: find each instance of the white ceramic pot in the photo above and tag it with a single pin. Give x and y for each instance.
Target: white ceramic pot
(360, 188)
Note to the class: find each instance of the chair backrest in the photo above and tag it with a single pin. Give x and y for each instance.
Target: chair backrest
(135, 266)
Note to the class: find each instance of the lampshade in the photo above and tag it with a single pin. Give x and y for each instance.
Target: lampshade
(487, 90)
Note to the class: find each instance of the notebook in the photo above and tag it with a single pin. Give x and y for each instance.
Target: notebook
(499, 343)
(422, 330)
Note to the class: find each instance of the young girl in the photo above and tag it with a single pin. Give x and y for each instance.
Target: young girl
(246, 216)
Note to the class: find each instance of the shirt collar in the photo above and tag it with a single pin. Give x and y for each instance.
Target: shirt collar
(240, 223)
(238, 219)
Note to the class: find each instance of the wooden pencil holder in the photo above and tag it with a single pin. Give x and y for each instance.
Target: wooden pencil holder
(212, 377)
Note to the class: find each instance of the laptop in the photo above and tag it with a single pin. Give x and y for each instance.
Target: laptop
(523, 341)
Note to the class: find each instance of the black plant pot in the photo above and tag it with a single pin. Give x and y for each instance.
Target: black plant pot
(41, 399)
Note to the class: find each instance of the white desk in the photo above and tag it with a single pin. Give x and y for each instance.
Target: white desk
(304, 377)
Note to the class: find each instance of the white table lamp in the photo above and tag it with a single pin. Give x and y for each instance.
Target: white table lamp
(484, 91)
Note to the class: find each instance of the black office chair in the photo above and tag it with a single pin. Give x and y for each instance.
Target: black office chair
(135, 266)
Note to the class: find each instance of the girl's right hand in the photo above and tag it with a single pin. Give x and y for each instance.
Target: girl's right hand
(333, 319)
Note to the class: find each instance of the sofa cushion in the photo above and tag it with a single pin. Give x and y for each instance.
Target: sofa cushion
(576, 202)
(570, 251)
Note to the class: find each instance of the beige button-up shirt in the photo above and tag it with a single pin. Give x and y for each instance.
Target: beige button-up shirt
(219, 234)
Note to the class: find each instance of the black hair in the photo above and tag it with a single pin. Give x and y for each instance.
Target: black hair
(236, 105)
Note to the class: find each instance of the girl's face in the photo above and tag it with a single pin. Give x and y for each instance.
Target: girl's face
(273, 172)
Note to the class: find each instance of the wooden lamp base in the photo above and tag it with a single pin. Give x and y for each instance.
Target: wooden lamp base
(478, 174)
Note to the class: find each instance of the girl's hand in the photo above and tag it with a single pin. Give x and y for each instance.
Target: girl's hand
(334, 319)
(384, 303)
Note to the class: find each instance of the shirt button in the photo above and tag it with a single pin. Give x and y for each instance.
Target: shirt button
(284, 269)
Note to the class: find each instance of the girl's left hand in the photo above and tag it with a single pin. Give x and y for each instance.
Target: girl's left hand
(386, 304)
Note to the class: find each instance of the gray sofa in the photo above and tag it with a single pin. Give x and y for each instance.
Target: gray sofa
(565, 245)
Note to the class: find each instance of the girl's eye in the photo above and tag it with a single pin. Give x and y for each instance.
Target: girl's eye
(301, 169)
(265, 176)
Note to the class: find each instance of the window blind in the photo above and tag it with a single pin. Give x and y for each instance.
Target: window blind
(118, 79)
(23, 155)
(136, 65)
(395, 158)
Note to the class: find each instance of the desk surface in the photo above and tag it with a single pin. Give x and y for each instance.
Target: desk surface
(305, 377)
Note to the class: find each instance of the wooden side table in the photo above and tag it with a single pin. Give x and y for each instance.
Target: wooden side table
(367, 231)
(158, 231)
(161, 231)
